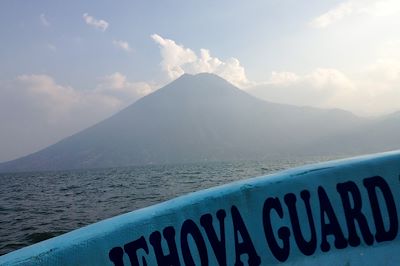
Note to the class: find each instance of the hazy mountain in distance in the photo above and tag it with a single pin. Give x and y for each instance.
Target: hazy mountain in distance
(204, 118)
(383, 134)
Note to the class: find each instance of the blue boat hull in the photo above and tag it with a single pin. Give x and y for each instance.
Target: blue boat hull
(337, 213)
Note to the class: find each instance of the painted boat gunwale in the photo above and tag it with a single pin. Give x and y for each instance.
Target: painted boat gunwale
(145, 215)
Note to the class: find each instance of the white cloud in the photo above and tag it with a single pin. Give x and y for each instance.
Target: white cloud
(381, 80)
(174, 56)
(319, 79)
(283, 78)
(97, 23)
(44, 20)
(122, 45)
(384, 71)
(390, 50)
(381, 8)
(45, 95)
(117, 86)
(371, 91)
(176, 60)
(323, 87)
(374, 8)
(374, 90)
(45, 111)
(113, 91)
(337, 13)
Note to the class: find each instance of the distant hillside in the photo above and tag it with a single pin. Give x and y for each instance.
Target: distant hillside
(205, 118)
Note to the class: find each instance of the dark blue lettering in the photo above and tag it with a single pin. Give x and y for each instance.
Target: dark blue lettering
(354, 214)
(217, 245)
(190, 228)
(372, 184)
(246, 246)
(306, 247)
(131, 249)
(172, 259)
(331, 228)
(116, 256)
(280, 253)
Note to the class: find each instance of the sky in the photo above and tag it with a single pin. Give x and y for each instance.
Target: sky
(66, 65)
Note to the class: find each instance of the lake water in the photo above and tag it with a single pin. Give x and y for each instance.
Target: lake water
(40, 205)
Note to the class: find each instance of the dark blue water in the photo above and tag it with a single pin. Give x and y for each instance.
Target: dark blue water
(37, 206)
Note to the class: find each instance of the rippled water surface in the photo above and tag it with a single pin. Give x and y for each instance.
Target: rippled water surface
(37, 206)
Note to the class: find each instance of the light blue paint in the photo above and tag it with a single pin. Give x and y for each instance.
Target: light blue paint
(91, 245)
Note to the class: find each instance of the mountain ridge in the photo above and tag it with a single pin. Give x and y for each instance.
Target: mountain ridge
(199, 118)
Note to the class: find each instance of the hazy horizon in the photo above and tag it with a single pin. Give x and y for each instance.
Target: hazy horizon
(66, 66)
